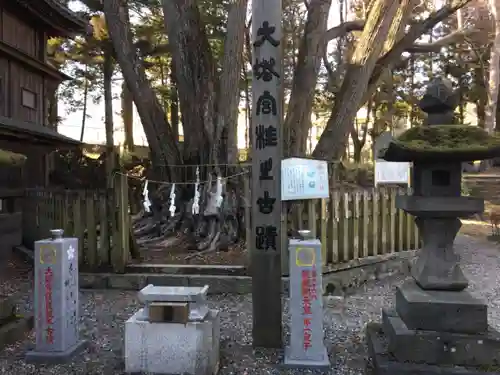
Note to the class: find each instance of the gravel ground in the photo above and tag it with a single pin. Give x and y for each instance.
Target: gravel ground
(103, 314)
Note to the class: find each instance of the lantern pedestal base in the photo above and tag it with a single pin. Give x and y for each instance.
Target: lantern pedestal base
(383, 362)
(306, 363)
(33, 356)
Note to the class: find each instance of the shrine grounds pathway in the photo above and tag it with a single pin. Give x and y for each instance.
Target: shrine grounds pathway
(103, 314)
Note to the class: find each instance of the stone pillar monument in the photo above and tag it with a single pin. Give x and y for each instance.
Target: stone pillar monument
(267, 142)
(56, 300)
(437, 327)
(307, 348)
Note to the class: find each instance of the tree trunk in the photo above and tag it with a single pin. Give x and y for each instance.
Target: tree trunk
(229, 86)
(209, 121)
(482, 98)
(127, 103)
(494, 79)
(359, 143)
(164, 150)
(497, 123)
(107, 69)
(194, 71)
(174, 105)
(85, 100)
(312, 48)
(371, 44)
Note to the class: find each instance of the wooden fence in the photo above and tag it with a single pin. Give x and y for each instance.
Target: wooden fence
(355, 224)
(351, 224)
(104, 244)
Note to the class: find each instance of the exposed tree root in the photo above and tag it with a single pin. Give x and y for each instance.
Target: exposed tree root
(214, 228)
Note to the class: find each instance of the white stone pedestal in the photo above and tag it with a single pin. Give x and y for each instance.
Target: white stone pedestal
(172, 348)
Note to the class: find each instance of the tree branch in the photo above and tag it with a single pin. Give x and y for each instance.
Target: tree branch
(425, 25)
(343, 29)
(436, 46)
(420, 28)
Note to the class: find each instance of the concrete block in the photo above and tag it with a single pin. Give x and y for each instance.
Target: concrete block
(172, 348)
(440, 348)
(442, 311)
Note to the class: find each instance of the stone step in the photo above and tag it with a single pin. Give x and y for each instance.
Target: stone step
(15, 330)
(7, 307)
(484, 177)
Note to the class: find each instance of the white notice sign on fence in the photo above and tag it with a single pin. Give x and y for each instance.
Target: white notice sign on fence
(304, 179)
(387, 172)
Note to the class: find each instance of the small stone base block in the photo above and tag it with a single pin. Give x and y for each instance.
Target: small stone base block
(442, 311)
(56, 357)
(172, 348)
(441, 348)
(306, 364)
(383, 363)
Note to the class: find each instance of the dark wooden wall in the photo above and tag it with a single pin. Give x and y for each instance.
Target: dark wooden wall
(19, 73)
(23, 79)
(20, 34)
(4, 87)
(23, 73)
(23, 45)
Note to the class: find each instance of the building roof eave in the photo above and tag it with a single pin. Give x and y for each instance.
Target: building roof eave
(35, 134)
(59, 18)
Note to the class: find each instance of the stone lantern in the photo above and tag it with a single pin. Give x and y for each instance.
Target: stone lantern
(437, 327)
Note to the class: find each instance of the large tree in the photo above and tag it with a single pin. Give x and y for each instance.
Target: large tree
(380, 48)
(209, 89)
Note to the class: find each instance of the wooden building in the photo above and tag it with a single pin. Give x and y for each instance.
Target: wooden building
(27, 80)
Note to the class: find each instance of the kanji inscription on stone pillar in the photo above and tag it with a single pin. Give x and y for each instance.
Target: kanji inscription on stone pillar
(265, 242)
(56, 299)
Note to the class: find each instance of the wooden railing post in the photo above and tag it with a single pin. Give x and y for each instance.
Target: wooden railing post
(78, 223)
(91, 251)
(323, 231)
(120, 249)
(104, 233)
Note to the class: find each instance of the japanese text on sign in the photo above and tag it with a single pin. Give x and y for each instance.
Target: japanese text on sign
(265, 33)
(308, 297)
(49, 314)
(266, 104)
(265, 70)
(266, 203)
(266, 237)
(266, 167)
(266, 136)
